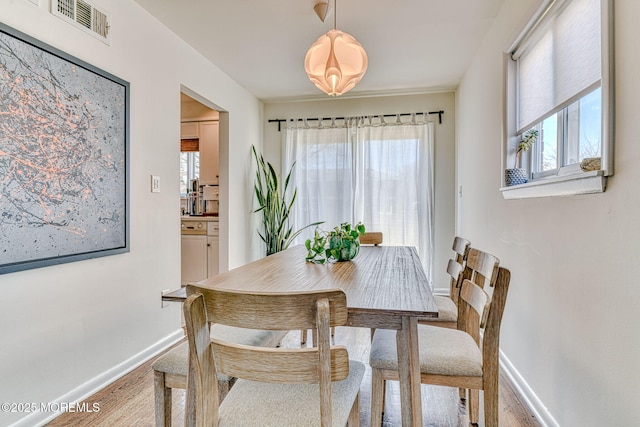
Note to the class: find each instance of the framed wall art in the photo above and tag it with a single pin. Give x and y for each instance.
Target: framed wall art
(64, 157)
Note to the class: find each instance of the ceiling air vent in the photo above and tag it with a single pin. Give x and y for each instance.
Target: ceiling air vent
(84, 15)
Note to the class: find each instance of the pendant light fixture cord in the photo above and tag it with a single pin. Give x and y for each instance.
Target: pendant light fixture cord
(335, 15)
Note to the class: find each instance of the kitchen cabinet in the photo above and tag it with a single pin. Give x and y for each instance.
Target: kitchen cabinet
(213, 254)
(189, 130)
(209, 146)
(194, 257)
(207, 134)
(213, 248)
(199, 249)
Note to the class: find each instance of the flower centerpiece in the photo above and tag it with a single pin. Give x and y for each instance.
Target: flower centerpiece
(340, 244)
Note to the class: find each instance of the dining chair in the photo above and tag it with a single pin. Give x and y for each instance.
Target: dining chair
(461, 247)
(448, 304)
(452, 357)
(479, 266)
(368, 238)
(170, 369)
(275, 386)
(371, 238)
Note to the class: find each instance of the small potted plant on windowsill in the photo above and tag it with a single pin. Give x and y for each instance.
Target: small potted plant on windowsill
(518, 175)
(340, 244)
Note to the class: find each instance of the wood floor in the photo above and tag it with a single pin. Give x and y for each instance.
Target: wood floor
(129, 401)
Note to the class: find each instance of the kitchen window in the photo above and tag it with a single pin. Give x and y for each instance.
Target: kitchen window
(189, 169)
(560, 82)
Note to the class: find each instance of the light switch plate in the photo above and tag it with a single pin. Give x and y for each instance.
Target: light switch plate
(155, 184)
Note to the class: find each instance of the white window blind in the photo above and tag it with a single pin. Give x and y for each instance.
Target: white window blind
(559, 61)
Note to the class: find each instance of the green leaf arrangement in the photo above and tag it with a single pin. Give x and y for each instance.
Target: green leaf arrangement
(526, 142)
(272, 204)
(340, 244)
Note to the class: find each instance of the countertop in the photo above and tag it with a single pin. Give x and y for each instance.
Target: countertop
(198, 218)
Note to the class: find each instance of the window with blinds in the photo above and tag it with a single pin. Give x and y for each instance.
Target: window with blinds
(560, 61)
(560, 82)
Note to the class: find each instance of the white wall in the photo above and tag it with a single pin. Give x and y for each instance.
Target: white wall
(444, 149)
(572, 315)
(62, 326)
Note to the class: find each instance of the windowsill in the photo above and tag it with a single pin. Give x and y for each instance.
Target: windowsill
(566, 185)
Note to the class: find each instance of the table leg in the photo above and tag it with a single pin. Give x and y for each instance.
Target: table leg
(409, 372)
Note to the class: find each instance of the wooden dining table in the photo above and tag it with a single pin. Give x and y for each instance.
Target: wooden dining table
(386, 288)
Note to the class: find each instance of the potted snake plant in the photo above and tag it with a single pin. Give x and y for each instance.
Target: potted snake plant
(274, 207)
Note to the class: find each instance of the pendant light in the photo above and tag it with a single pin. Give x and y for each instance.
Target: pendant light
(336, 62)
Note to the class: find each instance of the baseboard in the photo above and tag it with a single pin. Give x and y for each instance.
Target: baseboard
(89, 388)
(530, 398)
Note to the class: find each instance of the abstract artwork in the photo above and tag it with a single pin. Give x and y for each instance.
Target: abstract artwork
(64, 140)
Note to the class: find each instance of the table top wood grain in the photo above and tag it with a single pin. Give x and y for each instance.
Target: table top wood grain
(382, 283)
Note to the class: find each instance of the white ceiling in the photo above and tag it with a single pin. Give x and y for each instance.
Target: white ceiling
(412, 45)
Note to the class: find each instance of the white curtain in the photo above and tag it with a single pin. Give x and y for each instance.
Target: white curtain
(365, 169)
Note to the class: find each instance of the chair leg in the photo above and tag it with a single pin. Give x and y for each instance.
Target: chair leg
(473, 407)
(377, 397)
(303, 337)
(333, 331)
(162, 396)
(354, 415)
(223, 389)
(190, 401)
(491, 406)
(463, 393)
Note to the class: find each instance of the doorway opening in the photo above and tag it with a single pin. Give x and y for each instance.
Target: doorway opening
(203, 185)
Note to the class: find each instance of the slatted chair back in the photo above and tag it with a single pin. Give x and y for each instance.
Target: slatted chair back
(448, 305)
(482, 268)
(456, 273)
(461, 248)
(476, 302)
(318, 310)
(371, 238)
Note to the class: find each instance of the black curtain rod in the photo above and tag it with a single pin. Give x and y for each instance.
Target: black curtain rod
(439, 113)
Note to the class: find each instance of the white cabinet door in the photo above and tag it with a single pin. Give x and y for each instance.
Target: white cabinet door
(189, 130)
(209, 163)
(213, 252)
(194, 258)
